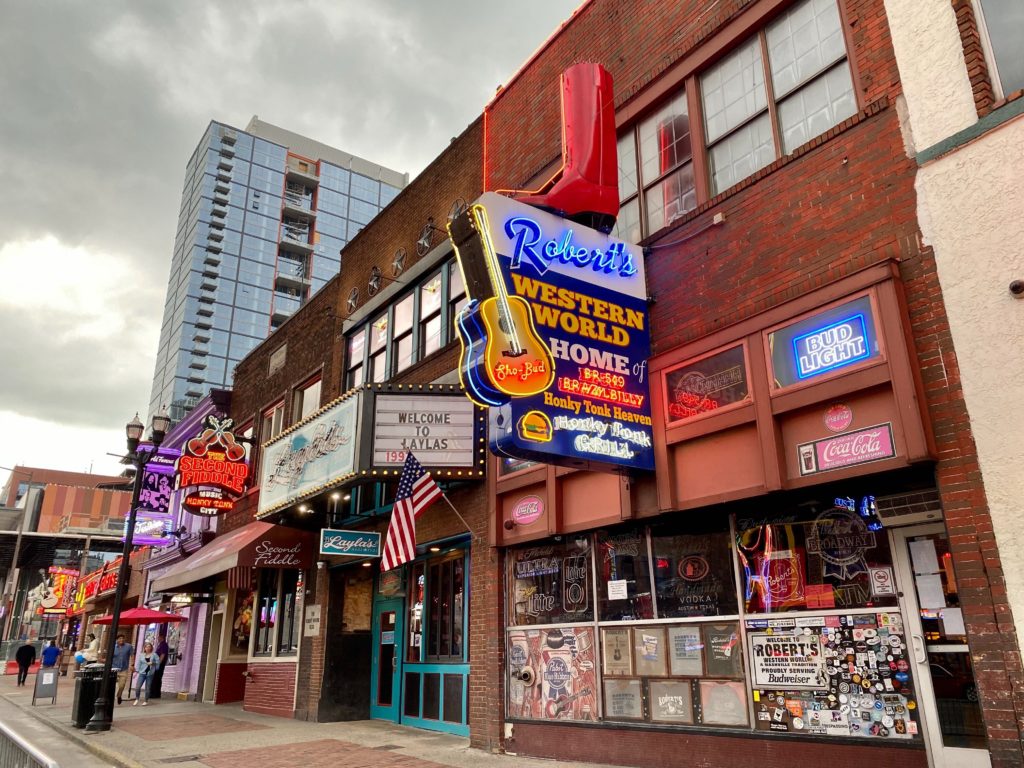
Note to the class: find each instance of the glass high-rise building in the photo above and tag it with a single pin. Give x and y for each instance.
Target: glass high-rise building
(264, 215)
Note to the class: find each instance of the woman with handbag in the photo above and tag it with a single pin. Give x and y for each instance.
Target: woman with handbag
(146, 664)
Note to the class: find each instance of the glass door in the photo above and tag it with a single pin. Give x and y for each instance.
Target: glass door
(950, 708)
(386, 669)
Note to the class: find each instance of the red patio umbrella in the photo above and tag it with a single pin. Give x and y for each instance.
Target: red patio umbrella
(135, 616)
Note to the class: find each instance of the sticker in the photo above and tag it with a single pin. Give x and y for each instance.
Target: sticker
(798, 723)
(894, 641)
(888, 722)
(912, 728)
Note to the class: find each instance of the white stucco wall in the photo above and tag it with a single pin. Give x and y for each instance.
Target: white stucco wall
(930, 57)
(971, 211)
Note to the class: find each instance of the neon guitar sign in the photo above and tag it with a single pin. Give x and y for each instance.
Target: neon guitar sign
(503, 356)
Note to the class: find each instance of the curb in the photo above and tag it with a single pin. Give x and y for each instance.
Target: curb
(72, 734)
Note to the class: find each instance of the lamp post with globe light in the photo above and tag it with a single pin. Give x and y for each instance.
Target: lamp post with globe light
(139, 458)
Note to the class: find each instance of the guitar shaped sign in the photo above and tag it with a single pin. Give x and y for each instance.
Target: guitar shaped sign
(503, 356)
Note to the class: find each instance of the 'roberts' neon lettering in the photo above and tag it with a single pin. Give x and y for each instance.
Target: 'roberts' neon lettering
(526, 236)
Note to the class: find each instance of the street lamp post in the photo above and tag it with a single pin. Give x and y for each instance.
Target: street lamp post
(139, 458)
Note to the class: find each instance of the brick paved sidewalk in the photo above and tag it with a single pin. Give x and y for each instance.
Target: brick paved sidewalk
(176, 733)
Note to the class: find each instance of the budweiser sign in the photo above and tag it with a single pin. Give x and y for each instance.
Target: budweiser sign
(851, 448)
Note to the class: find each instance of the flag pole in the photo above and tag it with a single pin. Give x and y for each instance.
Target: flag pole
(449, 502)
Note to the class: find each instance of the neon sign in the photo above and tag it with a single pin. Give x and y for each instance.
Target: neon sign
(526, 233)
(213, 463)
(585, 296)
(834, 346)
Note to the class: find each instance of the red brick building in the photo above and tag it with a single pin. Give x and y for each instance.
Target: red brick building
(741, 599)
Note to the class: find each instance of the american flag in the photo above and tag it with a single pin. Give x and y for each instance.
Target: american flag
(416, 491)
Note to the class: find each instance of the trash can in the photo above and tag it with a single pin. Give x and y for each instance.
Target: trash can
(88, 681)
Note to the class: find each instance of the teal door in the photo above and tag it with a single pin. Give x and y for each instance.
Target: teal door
(386, 669)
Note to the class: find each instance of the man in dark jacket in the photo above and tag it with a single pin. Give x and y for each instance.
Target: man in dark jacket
(25, 655)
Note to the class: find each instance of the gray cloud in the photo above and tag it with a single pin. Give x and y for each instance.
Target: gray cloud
(102, 104)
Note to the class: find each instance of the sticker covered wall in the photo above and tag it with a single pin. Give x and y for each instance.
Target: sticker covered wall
(833, 676)
(556, 337)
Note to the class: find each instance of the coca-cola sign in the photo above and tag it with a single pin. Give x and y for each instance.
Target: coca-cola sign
(859, 447)
(527, 510)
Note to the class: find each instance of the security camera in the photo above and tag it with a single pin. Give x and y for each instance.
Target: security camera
(1017, 289)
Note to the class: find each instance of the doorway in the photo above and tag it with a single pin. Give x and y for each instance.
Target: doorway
(213, 657)
(950, 707)
(386, 668)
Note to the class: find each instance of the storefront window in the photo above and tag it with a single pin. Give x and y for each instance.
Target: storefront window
(835, 339)
(707, 385)
(623, 576)
(822, 561)
(693, 570)
(241, 626)
(551, 583)
(278, 611)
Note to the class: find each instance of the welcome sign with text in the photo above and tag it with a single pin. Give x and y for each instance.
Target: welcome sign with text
(587, 296)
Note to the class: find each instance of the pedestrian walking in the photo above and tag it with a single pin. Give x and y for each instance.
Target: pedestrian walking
(121, 662)
(146, 666)
(51, 654)
(162, 649)
(25, 656)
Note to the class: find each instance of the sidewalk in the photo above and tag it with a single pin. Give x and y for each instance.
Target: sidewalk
(169, 732)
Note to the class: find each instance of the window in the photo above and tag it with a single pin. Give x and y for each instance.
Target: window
(379, 349)
(307, 400)
(1001, 23)
(411, 328)
(751, 106)
(707, 385)
(401, 335)
(355, 374)
(456, 296)
(656, 172)
(836, 339)
(430, 316)
(277, 627)
(816, 562)
(272, 422)
(551, 584)
(436, 610)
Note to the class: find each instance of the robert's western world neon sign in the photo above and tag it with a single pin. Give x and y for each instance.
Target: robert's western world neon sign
(556, 336)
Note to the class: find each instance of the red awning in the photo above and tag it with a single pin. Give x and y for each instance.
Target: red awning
(256, 545)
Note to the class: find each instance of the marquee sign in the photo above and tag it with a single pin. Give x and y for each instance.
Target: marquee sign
(212, 469)
(311, 456)
(556, 339)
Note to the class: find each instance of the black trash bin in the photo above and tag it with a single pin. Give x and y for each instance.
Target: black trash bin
(88, 681)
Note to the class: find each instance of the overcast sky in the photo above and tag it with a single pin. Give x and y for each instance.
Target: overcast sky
(101, 105)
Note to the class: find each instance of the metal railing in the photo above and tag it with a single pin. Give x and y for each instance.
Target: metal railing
(15, 752)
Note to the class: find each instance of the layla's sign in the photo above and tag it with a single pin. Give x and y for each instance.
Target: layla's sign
(555, 339)
(213, 467)
(846, 450)
(350, 543)
(312, 455)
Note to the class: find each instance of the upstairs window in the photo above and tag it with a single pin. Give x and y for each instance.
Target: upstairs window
(1001, 23)
(656, 180)
(307, 400)
(784, 86)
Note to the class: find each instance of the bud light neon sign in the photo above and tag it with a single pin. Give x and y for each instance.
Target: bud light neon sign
(835, 346)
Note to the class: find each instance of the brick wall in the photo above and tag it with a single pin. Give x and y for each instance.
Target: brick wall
(270, 689)
(230, 684)
(644, 747)
(842, 203)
